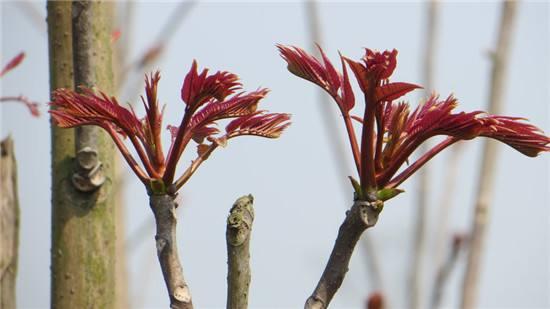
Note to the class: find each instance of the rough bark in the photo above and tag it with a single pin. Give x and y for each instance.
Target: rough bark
(83, 234)
(9, 225)
(360, 217)
(239, 229)
(164, 209)
(488, 164)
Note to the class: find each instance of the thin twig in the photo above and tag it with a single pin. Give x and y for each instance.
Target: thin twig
(419, 225)
(486, 177)
(37, 19)
(457, 246)
(157, 47)
(239, 229)
(445, 205)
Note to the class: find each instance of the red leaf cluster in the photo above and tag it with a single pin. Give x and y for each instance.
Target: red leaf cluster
(208, 99)
(390, 132)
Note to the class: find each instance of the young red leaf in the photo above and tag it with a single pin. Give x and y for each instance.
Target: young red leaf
(200, 88)
(264, 125)
(332, 76)
(393, 91)
(380, 65)
(75, 109)
(15, 61)
(360, 72)
(239, 105)
(348, 98)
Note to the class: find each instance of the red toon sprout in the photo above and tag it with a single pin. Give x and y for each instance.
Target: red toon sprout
(208, 99)
(390, 132)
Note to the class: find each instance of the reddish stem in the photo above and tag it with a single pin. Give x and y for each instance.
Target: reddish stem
(353, 142)
(127, 156)
(143, 157)
(367, 175)
(379, 138)
(193, 167)
(420, 162)
(403, 153)
(177, 148)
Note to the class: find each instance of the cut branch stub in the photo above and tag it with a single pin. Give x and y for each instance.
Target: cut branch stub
(239, 228)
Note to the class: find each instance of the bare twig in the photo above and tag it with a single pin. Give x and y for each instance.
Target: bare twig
(420, 224)
(445, 205)
(32, 106)
(157, 47)
(458, 243)
(9, 224)
(486, 177)
(164, 209)
(239, 228)
(339, 155)
(361, 216)
(37, 19)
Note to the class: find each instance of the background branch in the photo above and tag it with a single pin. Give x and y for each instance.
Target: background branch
(415, 283)
(485, 186)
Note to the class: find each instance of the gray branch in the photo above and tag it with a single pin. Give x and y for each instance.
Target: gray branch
(239, 229)
(360, 217)
(487, 175)
(164, 209)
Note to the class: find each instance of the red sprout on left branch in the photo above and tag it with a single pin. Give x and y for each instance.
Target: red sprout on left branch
(208, 99)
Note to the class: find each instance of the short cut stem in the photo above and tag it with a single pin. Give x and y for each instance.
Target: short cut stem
(239, 229)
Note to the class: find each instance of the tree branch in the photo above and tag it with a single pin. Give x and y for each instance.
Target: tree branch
(415, 287)
(239, 228)
(486, 177)
(360, 217)
(9, 224)
(164, 209)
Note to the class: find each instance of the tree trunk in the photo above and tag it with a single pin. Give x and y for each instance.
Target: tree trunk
(238, 230)
(83, 231)
(9, 224)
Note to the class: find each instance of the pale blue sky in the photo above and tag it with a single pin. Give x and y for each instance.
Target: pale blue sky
(299, 201)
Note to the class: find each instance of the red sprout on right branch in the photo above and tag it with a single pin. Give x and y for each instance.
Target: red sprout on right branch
(390, 131)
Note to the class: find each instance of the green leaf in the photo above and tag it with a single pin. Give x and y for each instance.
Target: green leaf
(357, 188)
(157, 187)
(387, 193)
